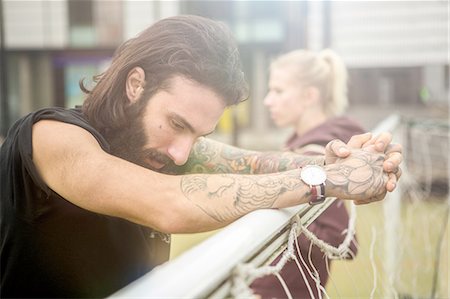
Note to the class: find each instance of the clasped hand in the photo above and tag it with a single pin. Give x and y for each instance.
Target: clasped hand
(365, 168)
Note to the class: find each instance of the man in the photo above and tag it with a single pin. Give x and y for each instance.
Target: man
(89, 195)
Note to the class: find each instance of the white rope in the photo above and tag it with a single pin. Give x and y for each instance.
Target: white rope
(283, 284)
(314, 275)
(343, 250)
(301, 270)
(314, 272)
(372, 262)
(244, 274)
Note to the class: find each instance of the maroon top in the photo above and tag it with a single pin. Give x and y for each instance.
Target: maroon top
(330, 226)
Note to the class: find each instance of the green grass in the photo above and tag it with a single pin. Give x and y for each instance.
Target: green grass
(416, 245)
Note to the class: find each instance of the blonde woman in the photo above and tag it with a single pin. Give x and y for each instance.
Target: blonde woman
(308, 92)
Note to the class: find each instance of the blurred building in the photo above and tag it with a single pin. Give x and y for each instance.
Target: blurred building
(397, 51)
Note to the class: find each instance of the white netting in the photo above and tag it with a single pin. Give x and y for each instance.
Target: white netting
(407, 255)
(402, 250)
(244, 274)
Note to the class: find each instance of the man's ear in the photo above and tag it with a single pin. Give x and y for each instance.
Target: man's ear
(135, 84)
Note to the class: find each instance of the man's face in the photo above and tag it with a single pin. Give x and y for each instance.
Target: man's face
(169, 125)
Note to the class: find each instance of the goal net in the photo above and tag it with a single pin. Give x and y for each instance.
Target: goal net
(403, 240)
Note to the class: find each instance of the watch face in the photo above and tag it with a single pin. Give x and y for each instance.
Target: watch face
(313, 175)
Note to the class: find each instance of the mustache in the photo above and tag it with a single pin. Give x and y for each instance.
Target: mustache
(156, 156)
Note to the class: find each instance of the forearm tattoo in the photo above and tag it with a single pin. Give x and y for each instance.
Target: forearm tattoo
(360, 175)
(213, 157)
(227, 197)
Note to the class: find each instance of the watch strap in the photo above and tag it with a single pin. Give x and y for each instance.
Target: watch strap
(317, 194)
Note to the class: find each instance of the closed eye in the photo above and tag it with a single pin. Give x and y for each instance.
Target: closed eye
(177, 125)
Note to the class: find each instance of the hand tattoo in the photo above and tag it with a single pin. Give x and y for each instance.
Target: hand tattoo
(358, 176)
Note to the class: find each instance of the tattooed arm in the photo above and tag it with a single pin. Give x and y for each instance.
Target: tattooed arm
(209, 156)
(224, 198)
(79, 170)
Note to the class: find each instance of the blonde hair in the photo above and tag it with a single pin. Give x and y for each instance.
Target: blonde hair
(324, 70)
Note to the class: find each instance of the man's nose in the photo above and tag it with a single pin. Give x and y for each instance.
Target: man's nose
(179, 150)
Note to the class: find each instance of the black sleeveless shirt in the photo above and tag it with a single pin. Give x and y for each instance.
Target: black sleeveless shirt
(53, 248)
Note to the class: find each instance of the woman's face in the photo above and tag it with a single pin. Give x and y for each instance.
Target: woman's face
(285, 98)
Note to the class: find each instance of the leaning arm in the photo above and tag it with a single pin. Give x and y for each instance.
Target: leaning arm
(74, 166)
(210, 156)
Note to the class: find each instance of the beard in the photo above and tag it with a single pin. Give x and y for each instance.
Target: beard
(129, 143)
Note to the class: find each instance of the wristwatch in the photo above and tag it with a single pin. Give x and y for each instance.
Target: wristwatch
(314, 176)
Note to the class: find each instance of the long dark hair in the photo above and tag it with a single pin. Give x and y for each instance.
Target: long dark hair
(196, 47)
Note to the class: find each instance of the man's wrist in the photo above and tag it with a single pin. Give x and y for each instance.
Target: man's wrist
(315, 177)
(330, 190)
